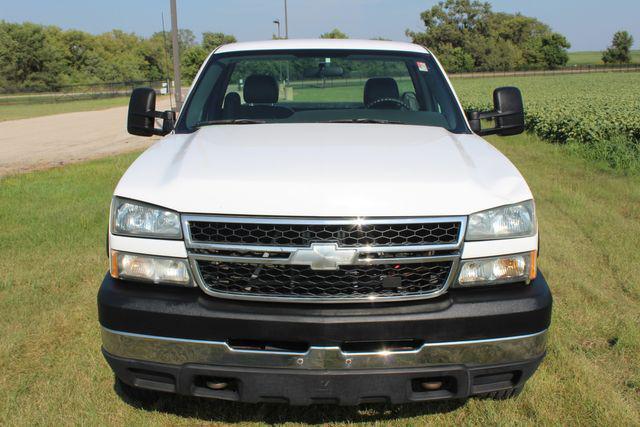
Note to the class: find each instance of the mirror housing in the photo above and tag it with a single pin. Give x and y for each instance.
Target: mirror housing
(332, 71)
(142, 114)
(508, 114)
(323, 70)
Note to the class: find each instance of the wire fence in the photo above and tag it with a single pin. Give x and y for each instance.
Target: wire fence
(123, 89)
(575, 69)
(78, 92)
(359, 80)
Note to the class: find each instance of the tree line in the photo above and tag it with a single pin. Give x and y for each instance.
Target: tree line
(37, 57)
(466, 35)
(469, 36)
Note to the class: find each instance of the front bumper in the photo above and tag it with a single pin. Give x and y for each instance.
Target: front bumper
(183, 351)
(472, 341)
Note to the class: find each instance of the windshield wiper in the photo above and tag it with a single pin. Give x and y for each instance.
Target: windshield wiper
(365, 120)
(229, 122)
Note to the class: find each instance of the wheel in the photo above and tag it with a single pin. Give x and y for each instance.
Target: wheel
(136, 394)
(509, 393)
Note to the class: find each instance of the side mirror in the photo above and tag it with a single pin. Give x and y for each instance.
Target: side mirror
(142, 114)
(508, 113)
(332, 71)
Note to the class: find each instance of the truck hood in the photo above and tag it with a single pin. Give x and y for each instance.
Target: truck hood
(324, 170)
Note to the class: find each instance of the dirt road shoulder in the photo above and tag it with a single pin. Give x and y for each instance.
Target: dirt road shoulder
(49, 141)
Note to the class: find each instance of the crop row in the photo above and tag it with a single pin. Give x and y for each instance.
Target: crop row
(585, 108)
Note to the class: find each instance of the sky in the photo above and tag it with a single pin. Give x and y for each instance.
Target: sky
(588, 24)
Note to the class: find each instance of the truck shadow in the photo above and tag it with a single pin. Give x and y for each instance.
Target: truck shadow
(211, 410)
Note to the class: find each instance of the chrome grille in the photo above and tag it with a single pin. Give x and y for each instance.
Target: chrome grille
(354, 281)
(346, 235)
(323, 260)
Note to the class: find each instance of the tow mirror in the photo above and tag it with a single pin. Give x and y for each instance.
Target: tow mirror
(508, 114)
(142, 114)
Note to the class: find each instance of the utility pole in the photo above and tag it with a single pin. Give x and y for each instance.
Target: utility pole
(176, 56)
(286, 21)
(286, 34)
(277, 22)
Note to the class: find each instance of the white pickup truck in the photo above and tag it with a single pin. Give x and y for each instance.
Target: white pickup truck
(323, 223)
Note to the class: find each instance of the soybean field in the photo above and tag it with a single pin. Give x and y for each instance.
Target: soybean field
(581, 108)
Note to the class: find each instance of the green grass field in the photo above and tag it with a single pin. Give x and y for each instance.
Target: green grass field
(344, 93)
(595, 58)
(26, 110)
(52, 259)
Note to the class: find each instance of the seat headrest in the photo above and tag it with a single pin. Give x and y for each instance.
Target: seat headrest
(379, 88)
(232, 100)
(260, 89)
(231, 106)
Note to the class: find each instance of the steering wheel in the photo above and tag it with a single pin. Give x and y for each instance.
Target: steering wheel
(388, 101)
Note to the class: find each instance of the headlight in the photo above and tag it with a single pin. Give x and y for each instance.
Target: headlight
(159, 270)
(503, 269)
(138, 219)
(505, 222)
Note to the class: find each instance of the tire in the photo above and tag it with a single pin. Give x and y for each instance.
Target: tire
(135, 394)
(509, 393)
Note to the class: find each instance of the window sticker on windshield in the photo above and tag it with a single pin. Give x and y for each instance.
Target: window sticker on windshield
(422, 66)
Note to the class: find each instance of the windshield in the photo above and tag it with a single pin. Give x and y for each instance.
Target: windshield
(321, 87)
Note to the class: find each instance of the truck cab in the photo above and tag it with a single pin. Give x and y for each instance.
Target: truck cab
(323, 223)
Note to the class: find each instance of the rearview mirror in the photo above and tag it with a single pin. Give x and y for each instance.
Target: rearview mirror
(332, 71)
(508, 114)
(142, 114)
(323, 70)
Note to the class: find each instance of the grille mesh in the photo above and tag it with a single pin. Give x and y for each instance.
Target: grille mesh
(303, 235)
(294, 281)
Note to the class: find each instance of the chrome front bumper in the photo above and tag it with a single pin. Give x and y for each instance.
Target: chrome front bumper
(177, 351)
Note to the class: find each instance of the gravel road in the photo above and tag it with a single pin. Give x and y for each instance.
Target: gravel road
(49, 141)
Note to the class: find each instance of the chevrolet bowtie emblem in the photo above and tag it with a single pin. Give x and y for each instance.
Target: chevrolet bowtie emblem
(324, 256)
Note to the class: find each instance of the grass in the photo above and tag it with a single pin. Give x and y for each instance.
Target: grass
(26, 110)
(341, 93)
(619, 153)
(595, 58)
(52, 259)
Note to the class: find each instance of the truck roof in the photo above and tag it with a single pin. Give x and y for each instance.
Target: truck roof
(346, 44)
